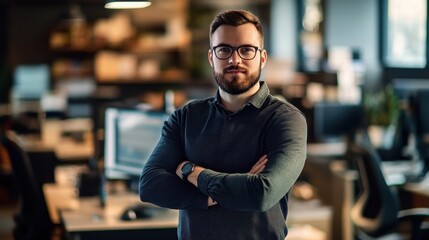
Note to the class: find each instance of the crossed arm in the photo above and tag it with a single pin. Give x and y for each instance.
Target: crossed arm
(193, 177)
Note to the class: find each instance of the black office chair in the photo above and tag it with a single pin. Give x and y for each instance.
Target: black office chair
(32, 222)
(422, 126)
(376, 211)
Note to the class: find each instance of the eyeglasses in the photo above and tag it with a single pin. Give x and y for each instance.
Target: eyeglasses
(246, 52)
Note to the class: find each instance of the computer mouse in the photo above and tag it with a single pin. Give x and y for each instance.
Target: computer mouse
(135, 213)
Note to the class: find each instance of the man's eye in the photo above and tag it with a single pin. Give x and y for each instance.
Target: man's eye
(224, 50)
(247, 49)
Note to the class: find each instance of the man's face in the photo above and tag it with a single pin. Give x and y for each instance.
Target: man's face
(235, 75)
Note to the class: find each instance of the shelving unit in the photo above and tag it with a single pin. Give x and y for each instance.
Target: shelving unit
(132, 53)
(127, 57)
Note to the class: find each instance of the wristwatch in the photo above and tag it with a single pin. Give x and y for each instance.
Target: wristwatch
(187, 169)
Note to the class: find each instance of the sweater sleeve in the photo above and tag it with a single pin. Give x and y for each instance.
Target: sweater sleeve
(159, 183)
(285, 142)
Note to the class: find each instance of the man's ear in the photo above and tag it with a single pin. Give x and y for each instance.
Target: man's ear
(264, 58)
(210, 57)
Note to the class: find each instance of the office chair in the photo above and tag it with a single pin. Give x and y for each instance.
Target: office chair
(376, 212)
(32, 222)
(422, 126)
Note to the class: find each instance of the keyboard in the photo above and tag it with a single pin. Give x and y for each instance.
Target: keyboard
(402, 171)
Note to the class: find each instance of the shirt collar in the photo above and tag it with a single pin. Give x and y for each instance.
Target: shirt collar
(259, 98)
(256, 100)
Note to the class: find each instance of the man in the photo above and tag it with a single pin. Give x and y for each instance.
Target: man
(228, 162)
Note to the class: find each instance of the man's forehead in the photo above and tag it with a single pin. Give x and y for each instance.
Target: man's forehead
(242, 34)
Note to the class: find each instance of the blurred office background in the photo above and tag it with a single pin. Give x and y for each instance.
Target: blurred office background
(341, 62)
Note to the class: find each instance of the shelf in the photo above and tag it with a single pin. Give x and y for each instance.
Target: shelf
(130, 55)
(139, 83)
(145, 86)
(76, 51)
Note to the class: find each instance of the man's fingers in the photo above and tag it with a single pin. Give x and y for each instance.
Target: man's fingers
(259, 165)
(258, 169)
(262, 160)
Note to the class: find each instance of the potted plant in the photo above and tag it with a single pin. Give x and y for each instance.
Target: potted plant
(381, 112)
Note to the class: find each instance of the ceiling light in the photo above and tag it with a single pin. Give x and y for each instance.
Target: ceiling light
(127, 4)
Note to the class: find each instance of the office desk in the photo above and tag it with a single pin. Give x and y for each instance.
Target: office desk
(83, 218)
(67, 150)
(417, 194)
(44, 158)
(329, 149)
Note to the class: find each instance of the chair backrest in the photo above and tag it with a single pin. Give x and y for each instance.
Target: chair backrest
(33, 218)
(376, 208)
(422, 125)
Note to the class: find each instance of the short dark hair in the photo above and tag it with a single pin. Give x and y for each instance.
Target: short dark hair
(236, 18)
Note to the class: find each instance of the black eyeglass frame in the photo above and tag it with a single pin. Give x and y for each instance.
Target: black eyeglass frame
(236, 49)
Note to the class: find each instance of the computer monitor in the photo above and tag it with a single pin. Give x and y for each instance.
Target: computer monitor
(414, 93)
(406, 88)
(131, 134)
(334, 121)
(30, 81)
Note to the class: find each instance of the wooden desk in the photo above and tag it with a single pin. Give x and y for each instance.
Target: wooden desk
(333, 149)
(418, 193)
(303, 214)
(67, 150)
(83, 218)
(45, 158)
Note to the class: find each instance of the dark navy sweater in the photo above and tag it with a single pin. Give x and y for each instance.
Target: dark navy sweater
(228, 144)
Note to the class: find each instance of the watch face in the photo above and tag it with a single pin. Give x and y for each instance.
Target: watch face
(187, 168)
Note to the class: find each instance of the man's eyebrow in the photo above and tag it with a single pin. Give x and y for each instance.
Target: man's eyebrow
(227, 45)
(223, 45)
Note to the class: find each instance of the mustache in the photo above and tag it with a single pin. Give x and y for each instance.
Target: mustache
(233, 68)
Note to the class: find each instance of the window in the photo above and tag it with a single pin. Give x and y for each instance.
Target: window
(404, 42)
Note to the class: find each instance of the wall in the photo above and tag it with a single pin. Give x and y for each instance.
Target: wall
(355, 24)
(283, 29)
(4, 84)
(346, 23)
(30, 25)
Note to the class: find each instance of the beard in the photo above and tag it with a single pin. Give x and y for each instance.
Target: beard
(235, 85)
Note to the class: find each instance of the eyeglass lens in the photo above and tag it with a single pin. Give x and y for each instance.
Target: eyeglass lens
(245, 52)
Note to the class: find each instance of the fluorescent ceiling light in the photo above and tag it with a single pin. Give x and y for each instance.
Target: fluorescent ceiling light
(127, 4)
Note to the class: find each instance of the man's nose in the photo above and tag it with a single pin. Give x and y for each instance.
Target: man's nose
(235, 58)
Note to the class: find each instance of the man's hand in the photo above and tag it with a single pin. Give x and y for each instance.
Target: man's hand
(211, 202)
(259, 165)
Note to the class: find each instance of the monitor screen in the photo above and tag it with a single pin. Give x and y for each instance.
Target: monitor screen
(31, 81)
(405, 88)
(130, 137)
(333, 121)
(415, 94)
